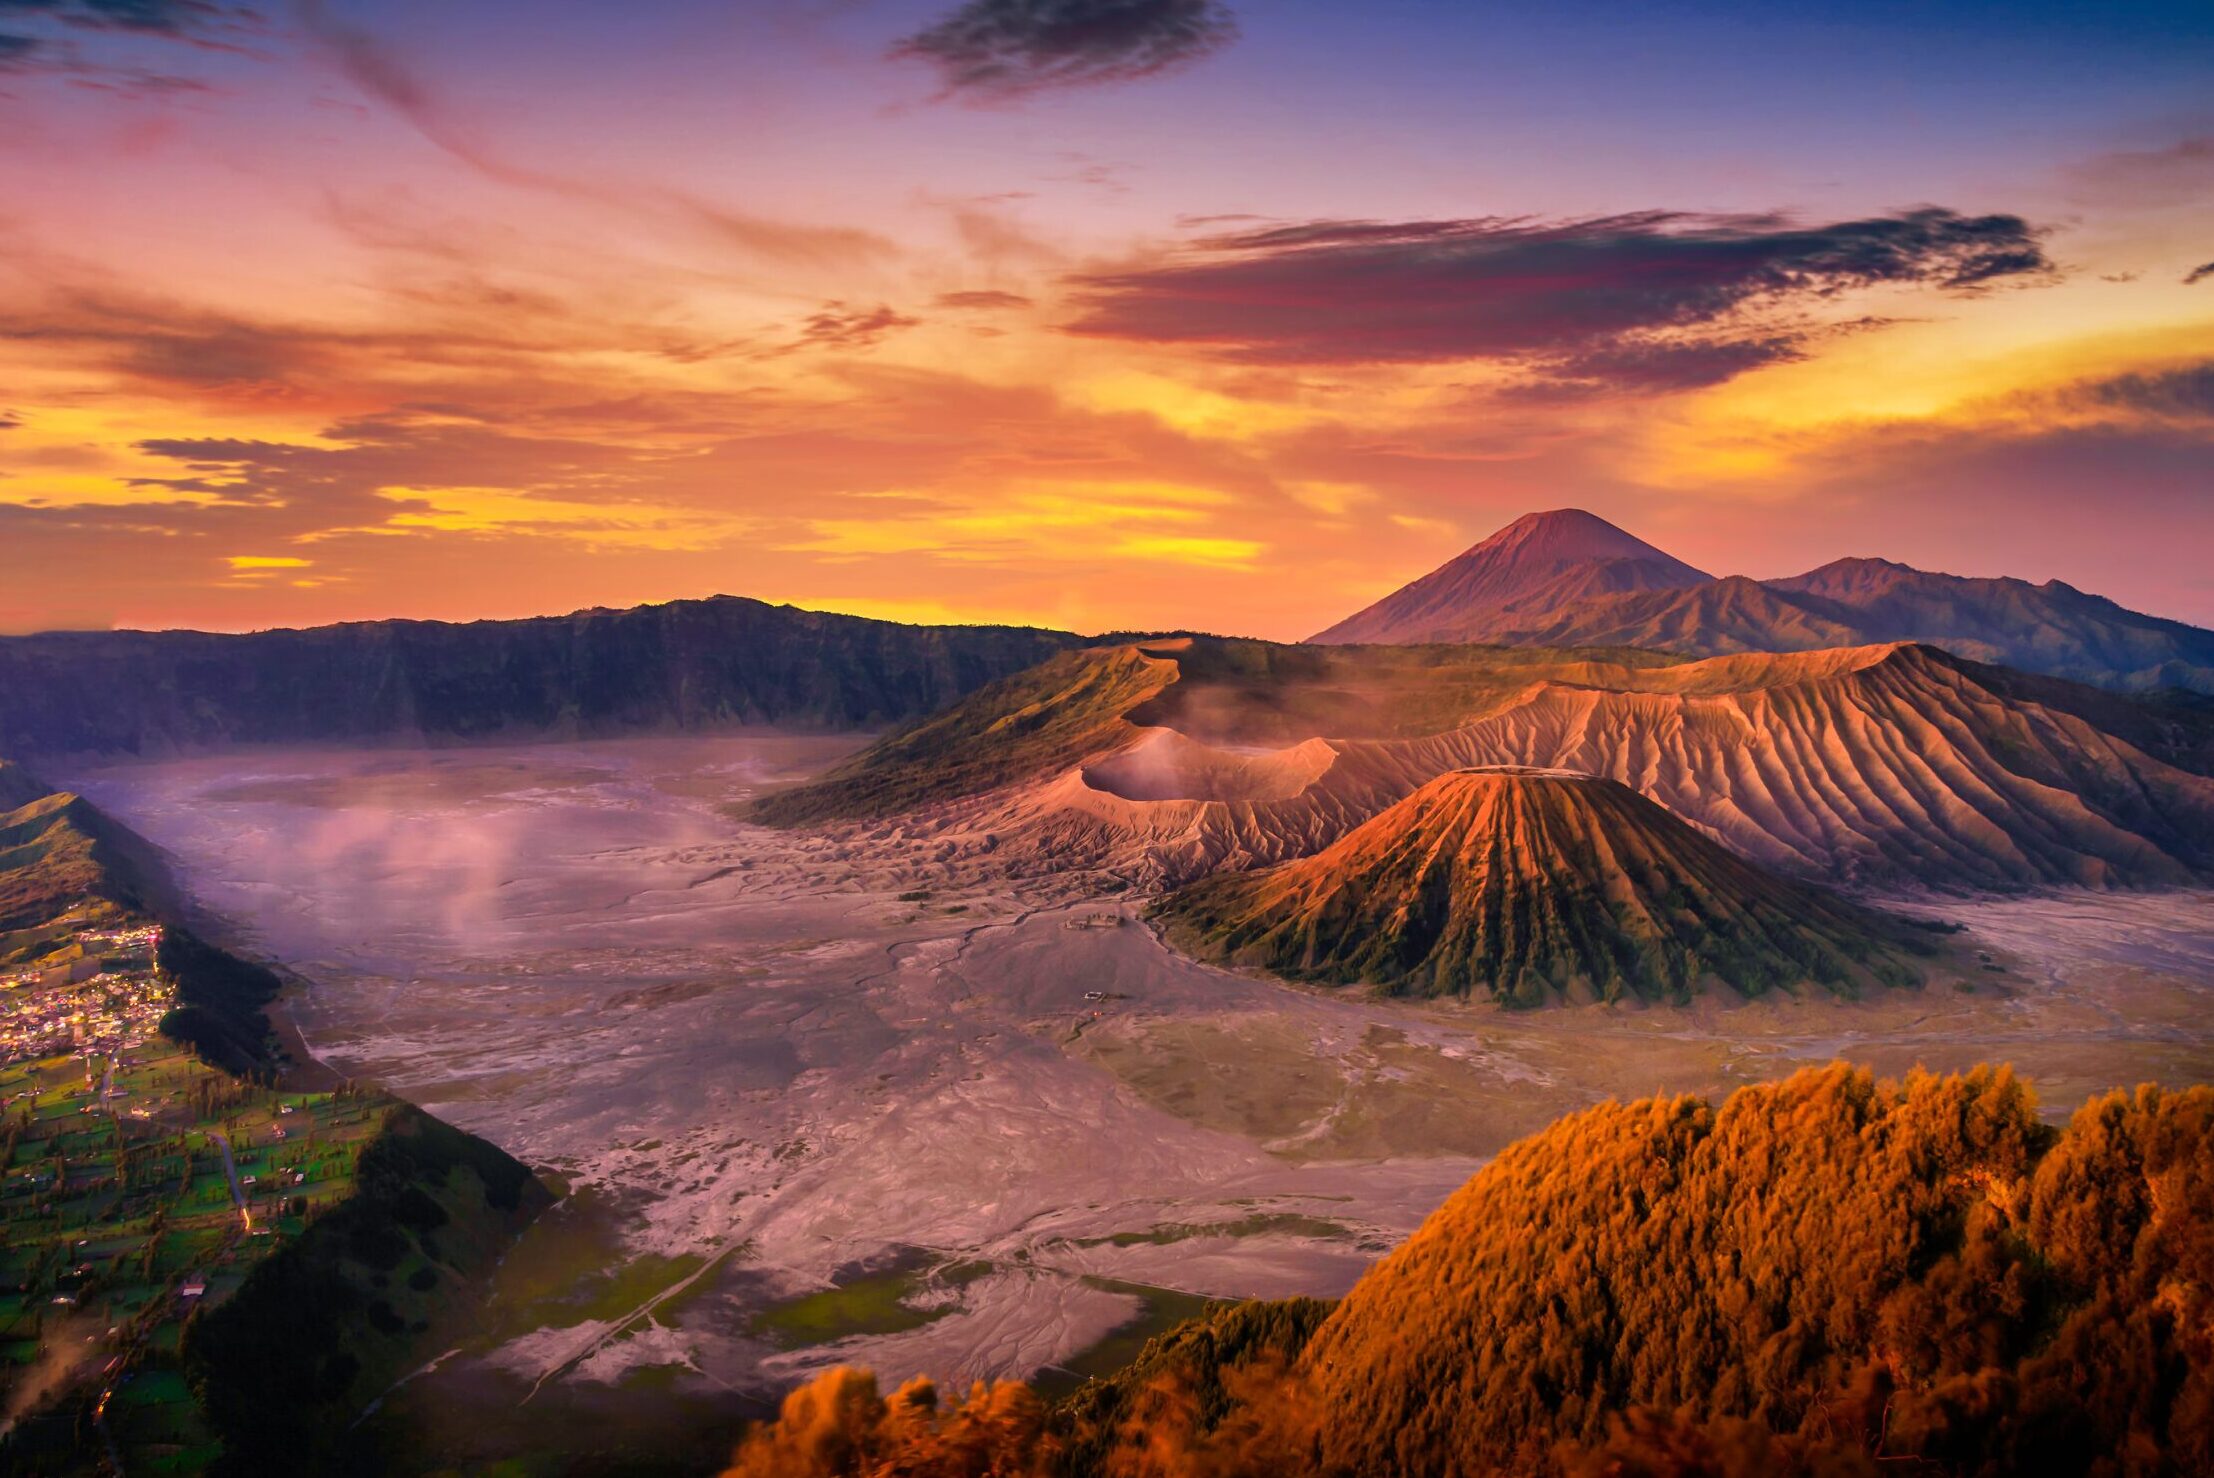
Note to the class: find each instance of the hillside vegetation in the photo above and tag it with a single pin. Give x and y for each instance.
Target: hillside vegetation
(1033, 723)
(328, 1323)
(1826, 1275)
(57, 853)
(201, 1269)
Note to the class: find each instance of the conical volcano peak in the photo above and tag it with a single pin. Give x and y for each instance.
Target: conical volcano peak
(1527, 885)
(1539, 563)
(1566, 535)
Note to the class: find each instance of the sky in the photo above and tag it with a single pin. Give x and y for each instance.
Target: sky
(1097, 314)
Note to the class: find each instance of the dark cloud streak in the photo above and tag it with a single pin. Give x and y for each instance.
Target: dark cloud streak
(838, 327)
(2185, 393)
(1641, 303)
(1006, 49)
(120, 15)
(198, 23)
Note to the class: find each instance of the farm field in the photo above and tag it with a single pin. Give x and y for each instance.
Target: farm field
(138, 1191)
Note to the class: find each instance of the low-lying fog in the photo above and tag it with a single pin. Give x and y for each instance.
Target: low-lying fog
(817, 1103)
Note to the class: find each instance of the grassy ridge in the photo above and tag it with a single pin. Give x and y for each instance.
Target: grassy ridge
(1084, 704)
(58, 852)
(1051, 716)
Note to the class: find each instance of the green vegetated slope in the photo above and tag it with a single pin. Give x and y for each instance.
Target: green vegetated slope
(1830, 1275)
(332, 1319)
(185, 1239)
(57, 853)
(220, 1000)
(1033, 723)
(1527, 886)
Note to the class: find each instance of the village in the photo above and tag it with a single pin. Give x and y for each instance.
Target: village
(137, 1185)
(99, 992)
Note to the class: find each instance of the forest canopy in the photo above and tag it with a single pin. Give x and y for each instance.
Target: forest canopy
(1830, 1274)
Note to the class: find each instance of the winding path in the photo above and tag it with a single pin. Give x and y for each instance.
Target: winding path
(230, 1172)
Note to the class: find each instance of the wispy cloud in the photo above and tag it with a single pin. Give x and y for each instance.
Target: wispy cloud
(982, 300)
(382, 72)
(2172, 174)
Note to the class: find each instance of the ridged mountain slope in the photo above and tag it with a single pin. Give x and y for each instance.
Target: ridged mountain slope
(1890, 766)
(1526, 886)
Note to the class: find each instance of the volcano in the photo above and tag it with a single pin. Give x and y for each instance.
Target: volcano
(1537, 565)
(1526, 886)
(1567, 579)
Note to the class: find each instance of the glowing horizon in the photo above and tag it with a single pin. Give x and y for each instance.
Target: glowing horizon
(1223, 318)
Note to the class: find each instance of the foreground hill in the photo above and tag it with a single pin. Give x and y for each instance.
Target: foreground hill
(1888, 765)
(698, 664)
(1913, 1271)
(1536, 565)
(1827, 1275)
(1531, 885)
(2052, 628)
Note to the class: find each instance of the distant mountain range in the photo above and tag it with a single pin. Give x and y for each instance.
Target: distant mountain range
(1569, 579)
(1526, 886)
(697, 664)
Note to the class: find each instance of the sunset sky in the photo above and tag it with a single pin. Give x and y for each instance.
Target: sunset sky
(1088, 313)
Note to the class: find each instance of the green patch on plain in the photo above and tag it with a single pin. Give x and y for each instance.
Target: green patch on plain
(634, 1283)
(873, 1303)
(657, 1378)
(1260, 1224)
